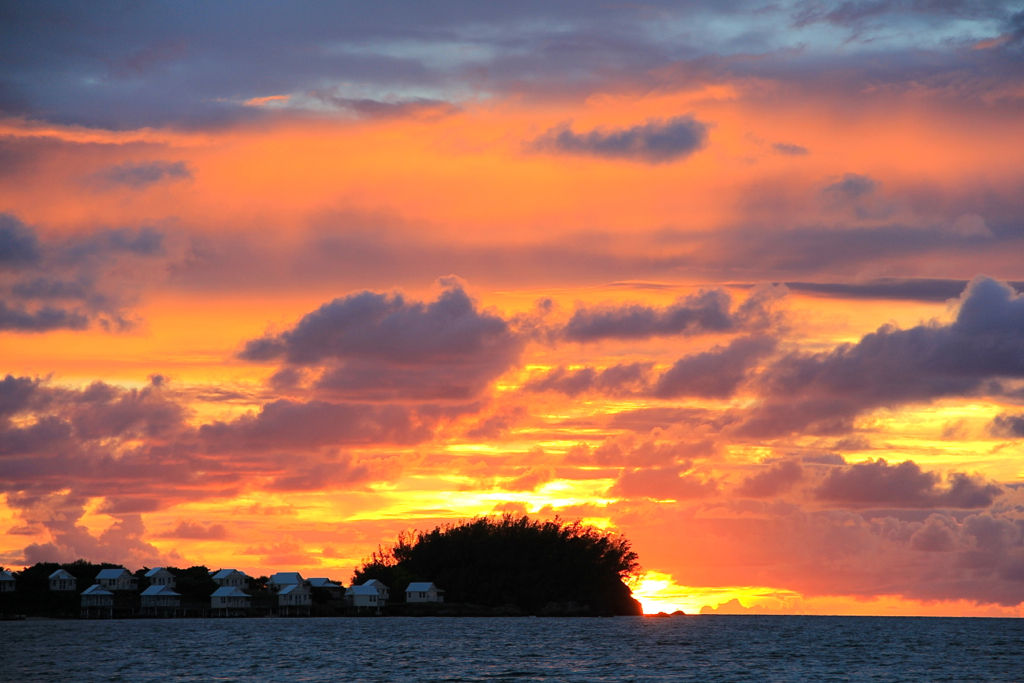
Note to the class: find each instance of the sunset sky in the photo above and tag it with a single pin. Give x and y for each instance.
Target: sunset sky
(736, 279)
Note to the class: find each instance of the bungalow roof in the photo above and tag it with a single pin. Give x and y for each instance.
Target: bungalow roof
(159, 590)
(420, 586)
(61, 574)
(226, 573)
(113, 573)
(96, 589)
(323, 583)
(229, 592)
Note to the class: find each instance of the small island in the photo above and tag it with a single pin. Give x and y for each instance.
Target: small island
(487, 566)
(515, 565)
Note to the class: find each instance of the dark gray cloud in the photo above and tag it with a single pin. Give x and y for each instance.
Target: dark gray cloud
(186, 529)
(655, 142)
(824, 392)
(907, 289)
(1008, 425)
(71, 283)
(706, 312)
(284, 424)
(716, 373)
(790, 149)
(43, 319)
(382, 346)
(127, 66)
(773, 481)
(19, 245)
(906, 485)
(617, 379)
(140, 175)
(852, 186)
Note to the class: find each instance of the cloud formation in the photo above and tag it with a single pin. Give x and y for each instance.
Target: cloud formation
(706, 312)
(140, 175)
(905, 485)
(383, 347)
(74, 282)
(892, 367)
(655, 142)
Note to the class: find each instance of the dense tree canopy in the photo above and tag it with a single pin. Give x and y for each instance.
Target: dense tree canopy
(513, 560)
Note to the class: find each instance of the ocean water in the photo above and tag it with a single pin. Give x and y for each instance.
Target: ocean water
(702, 648)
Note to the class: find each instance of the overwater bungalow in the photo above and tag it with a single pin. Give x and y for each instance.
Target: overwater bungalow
(281, 579)
(160, 600)
(97, 603)
(423, 592)
(62, 580)
(230, 601)
(364, 598)
(7, 582)
(295, 598)
(119, 579)
(336, 590)
(383, 591)
(230, 578)
(159, 576)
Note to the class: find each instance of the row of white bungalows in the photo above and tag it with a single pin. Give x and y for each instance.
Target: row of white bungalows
(6, 582)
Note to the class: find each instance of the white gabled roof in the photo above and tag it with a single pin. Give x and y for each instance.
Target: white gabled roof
(362, 590)
(420, 586)
(375, 582)
(323, 583)
(96, 589)
(284, 578)
(293, 588)
(154, 571)
(160, 590)
(7, 576)
(226, 573)
(229, 592)
(113, 573)
(61, 574)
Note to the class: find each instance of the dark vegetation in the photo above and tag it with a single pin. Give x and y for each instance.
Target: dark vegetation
(514, 562)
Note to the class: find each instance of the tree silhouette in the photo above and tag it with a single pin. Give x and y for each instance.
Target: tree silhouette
(513, 560)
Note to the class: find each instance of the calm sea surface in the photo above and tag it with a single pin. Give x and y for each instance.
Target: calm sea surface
(705, 648)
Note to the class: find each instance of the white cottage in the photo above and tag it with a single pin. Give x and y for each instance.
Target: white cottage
(230, 578)
(383, 591)
(97, 601)
(328, 585)
(363, 597)
(157, 598)
(229, 600)
(295, 598)
(281, 579)
(423, 592)
(7, 582)
(159, 576)
(119, 579)
(61, 580)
